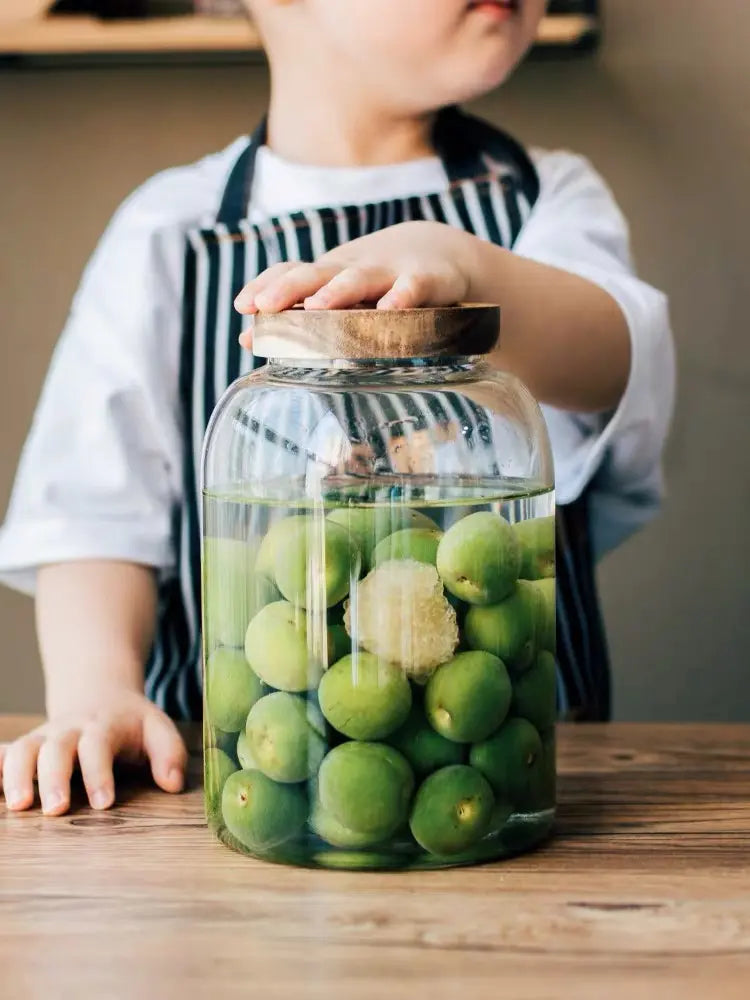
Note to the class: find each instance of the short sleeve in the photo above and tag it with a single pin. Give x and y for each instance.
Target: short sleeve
(100, 472)
(616, 457)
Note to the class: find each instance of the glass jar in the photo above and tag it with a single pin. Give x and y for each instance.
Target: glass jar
(378, 596)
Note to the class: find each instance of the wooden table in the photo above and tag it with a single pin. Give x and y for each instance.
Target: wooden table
(644, 892)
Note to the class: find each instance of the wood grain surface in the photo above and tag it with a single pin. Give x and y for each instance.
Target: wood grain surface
(361, 333)
(643, 892)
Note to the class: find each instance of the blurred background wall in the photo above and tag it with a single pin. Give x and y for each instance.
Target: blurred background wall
(663, 110)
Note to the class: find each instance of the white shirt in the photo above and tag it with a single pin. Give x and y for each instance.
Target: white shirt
(101, 469)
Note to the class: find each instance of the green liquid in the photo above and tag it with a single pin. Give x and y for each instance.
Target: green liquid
(271, 815)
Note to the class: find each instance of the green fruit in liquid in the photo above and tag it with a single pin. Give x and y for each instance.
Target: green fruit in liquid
(508, 629)
(468, 697)
(319, 552)
(232, 688)
(537, 538)
(276, 647)
(426, 750)
(364, 698)
(510, 760)
(219, 739)
(452, 810)
(420, 544)
(260, 813)
(366, 787)
(329, 829)
(282, 742)
(546, 624)
(279, 530)
(369, 525)
(233, 592)
(535, 693)
(217, 768)
(479, 557)
(244, 753)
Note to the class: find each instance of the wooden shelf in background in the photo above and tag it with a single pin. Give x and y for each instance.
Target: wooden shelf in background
(73, 35)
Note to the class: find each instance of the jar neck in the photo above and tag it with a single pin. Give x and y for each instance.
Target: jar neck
(377, 371)
(430, 369)
(377, 364)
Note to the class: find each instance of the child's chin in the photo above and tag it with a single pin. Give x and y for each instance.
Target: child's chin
(478, 82)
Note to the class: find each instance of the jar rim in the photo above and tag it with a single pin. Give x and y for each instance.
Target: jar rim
(463, 330)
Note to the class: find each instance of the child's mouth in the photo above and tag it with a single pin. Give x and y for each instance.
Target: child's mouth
(501, 10)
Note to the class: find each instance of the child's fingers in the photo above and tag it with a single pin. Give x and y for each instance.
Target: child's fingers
(408, 292)
(245, 301)
(165, 750)
(54, 768)
(350, 286)
(96, 751)
(246, 337)
(294, 286)
(19, 768)
(414, 288)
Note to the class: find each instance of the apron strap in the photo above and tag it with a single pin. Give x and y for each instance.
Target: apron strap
(236, 195)
(461, 141)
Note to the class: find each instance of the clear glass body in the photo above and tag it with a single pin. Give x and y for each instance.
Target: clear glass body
(378, 615)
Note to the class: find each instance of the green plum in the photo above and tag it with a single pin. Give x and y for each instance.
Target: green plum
(468, 697)
(452, 810)
(358, 861)
(363, 697)
(479, 557)
(259, 812)
(420, 544)
(217, 768)
(281, 740)
(426, 750)
(315, 718)
(310, 551)
(232, 688)
(546, 626)
(244, 753)
(366, 787)
(538, 793)
(534, 693)
(266, 559)
(508, 629)
(233, 593)
(331, 830)
(537, 538)
(219, 739)
(510, 760)
(276, 647)
(369, 525)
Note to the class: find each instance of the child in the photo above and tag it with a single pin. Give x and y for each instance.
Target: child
(102, 524)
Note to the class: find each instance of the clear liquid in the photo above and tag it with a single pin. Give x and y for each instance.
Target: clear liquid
(361, 709)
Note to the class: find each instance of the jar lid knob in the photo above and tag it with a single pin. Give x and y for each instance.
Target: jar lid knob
(358, 334)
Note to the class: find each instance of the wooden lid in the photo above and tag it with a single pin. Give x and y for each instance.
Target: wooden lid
(358, 334)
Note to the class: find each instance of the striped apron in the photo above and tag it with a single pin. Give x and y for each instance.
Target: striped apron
(493, 188)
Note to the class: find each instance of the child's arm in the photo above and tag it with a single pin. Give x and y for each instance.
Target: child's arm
(96, 623)
(565, 336)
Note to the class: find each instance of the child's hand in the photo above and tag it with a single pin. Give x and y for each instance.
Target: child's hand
(124, 725)
(407, 265)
